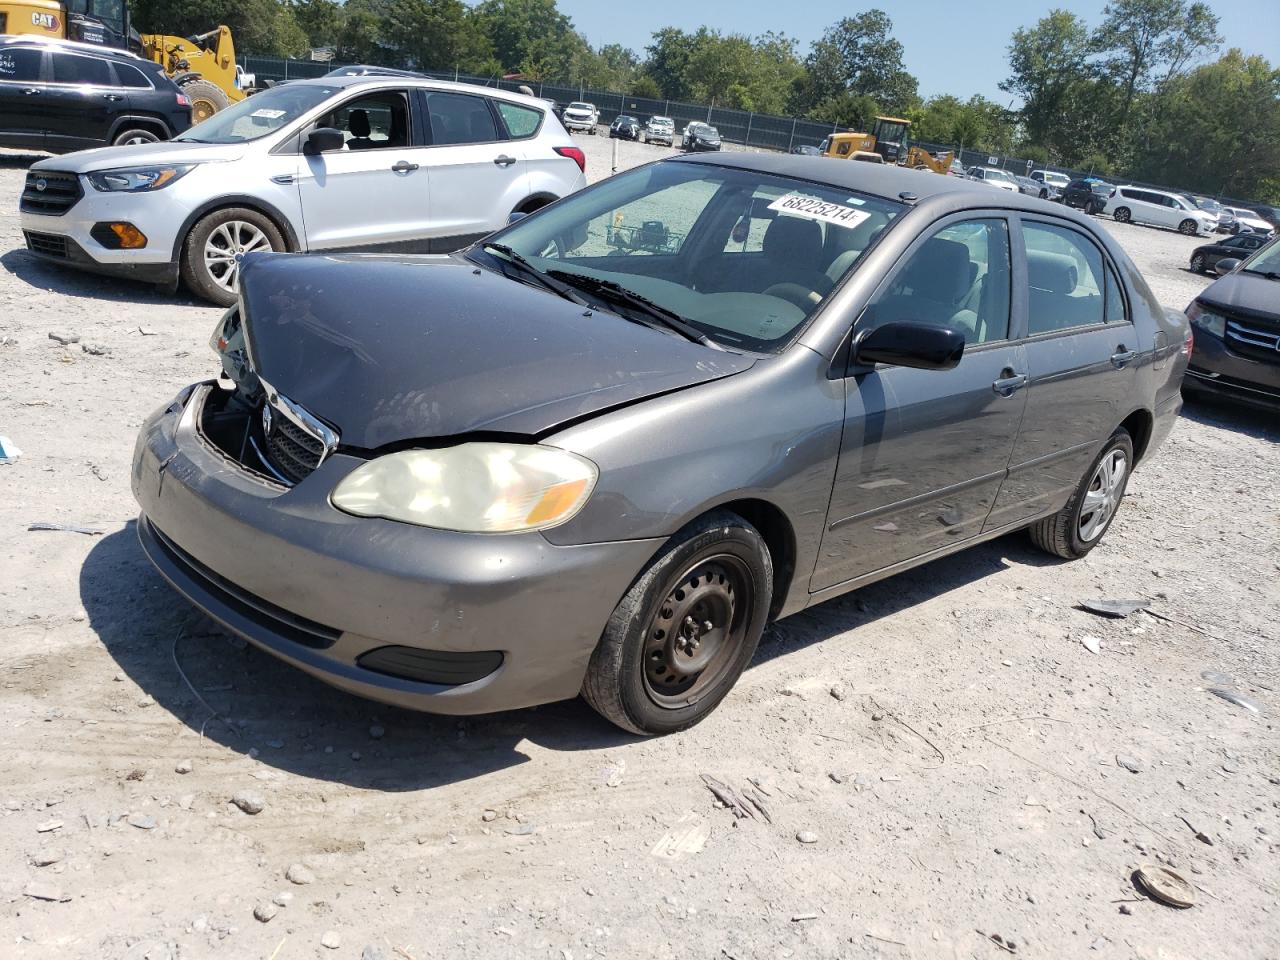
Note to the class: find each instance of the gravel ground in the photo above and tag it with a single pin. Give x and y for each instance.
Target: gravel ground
(943, 755)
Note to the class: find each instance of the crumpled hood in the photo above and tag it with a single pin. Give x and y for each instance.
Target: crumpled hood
(141, 155)
(393, 349)
(1245, 293)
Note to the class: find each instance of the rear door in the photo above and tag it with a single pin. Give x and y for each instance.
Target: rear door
(924, 452)
(478, 175)
(22, 97)
(1082, 354)
(81, 101)
(374, 193)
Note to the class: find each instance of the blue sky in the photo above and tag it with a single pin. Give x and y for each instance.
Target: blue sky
(952, 46)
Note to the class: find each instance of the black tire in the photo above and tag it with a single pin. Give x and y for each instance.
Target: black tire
(718, 567)
(1197, 263)
(1122, 215)
(206, 97)
(136, 135)
(1060, 534)
(197, 276)
(1187, 227)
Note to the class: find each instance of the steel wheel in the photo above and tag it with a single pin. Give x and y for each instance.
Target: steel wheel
(696, 631)
(227, 245)
(1103, 495)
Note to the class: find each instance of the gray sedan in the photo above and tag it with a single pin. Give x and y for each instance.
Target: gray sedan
(598, 452)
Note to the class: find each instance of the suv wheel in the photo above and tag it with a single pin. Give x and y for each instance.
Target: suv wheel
(1187, 227)
(682, 635)
(1197, 263)
(136, 135)
(1079, 526)
(215, 246)
(1122, 215)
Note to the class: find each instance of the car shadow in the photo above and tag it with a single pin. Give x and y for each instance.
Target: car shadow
(67, 281)
(20, 161)
(1223, 413)
(293, 722)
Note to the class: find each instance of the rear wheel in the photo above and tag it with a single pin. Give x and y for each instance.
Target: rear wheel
(682, 635)
(136, 135)
(1197, 263)
(1122, 215)
(1079, 526)
(206, 97)
(216, 245)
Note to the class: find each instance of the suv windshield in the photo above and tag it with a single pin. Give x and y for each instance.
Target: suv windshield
(993, 174)
(1266, 261)
(1101, 188)
(261, 114)
(579, 106)
(743, 257)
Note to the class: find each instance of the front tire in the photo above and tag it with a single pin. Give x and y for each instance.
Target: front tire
(685, 630)
(1187, 227)
(1080, 525)
(1197, 263)
(1122, 215)
(212, 252)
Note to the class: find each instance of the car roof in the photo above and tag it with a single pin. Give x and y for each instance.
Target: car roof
(71, 46)
(413, 80)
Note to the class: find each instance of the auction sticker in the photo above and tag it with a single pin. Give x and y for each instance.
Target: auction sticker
(799, 205)
(268, 114)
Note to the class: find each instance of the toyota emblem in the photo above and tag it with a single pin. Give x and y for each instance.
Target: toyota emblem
(41, 184)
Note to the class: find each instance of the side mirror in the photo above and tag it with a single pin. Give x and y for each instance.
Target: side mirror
(323, 140)
(1226, 265)
(516, 215)
(904, 343)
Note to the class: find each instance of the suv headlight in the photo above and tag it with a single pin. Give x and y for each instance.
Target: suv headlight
(472, 488)
(138, 179)
(1207, 320)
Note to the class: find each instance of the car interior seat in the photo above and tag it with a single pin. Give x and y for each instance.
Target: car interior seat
(359, 128)
(792, 261)
(1054, 302)
(933, 289)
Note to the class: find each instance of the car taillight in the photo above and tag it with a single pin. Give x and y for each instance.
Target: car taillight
(1189, 344)
(576, 155)
(182, 100)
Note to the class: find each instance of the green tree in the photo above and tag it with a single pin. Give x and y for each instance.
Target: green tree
(320, 20)
(1048, 68)
(857, 56)
(259, 26)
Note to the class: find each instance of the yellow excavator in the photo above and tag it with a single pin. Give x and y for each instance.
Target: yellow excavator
(886, 143)
(204, 66)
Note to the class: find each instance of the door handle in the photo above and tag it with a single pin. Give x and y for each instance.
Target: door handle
(404, 166)
(1121, 357)
(112, 96)
(504, 160)
(1009, 383)
(31, 91)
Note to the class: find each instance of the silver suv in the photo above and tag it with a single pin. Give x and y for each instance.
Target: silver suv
(369, 163)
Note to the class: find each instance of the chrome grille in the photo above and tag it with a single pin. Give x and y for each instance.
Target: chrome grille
(49, 193)
(1253, 342)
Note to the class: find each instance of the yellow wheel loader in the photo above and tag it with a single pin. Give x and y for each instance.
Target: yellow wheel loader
(886, 143)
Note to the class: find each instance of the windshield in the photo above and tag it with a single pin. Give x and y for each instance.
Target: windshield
(742, 256)
(1103, 188)
(579, 106)
(261, 114)
(660, 121)
(1000, 175)
(1265, 261)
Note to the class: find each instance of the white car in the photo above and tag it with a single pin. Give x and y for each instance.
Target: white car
(336, 163)
(1053, 179)
(580, 116)
(1249, 222)
(1160, 209)
(995, 177)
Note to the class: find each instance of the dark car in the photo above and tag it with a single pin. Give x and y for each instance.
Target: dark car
(60, 96)
(700, 136)
(625, 128)
(1237, 328)
(548, 469)
(1206, 257)
(1087, 195)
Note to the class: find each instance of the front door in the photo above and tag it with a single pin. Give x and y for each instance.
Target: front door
(477, 175)
(374, 193)
(22, 96)
(1082, 357)
(924, 452)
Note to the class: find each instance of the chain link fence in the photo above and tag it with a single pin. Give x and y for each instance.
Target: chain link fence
(761, 130)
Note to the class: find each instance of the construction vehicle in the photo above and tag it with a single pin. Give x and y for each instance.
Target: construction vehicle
(886, 143)
(204, 66)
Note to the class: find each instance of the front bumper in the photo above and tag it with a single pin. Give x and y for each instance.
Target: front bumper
(324, 590)
(1216, 369)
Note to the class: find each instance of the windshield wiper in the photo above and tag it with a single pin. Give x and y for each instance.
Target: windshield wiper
(1269, 274)
(616, 293)
(528, 269)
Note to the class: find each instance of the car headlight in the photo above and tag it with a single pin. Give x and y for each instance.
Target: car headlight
(1207, 320)
(472, 488)
(138, 179)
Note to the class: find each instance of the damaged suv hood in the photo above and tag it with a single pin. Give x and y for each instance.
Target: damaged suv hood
(393, 349)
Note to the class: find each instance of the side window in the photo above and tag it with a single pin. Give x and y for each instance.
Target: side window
(377, 121)
(82, 71)
(1065, 276)
(1114, 308)
(460, 118)
(959, 279)
(20, 65)
(130, 76)
(521, 121)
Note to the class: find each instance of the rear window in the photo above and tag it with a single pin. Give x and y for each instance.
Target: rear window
(19, 65)
(460, 118)
(90, 71)
(130, 76)
(521, 121)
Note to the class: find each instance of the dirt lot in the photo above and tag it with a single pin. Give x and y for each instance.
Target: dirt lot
(959, 755)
